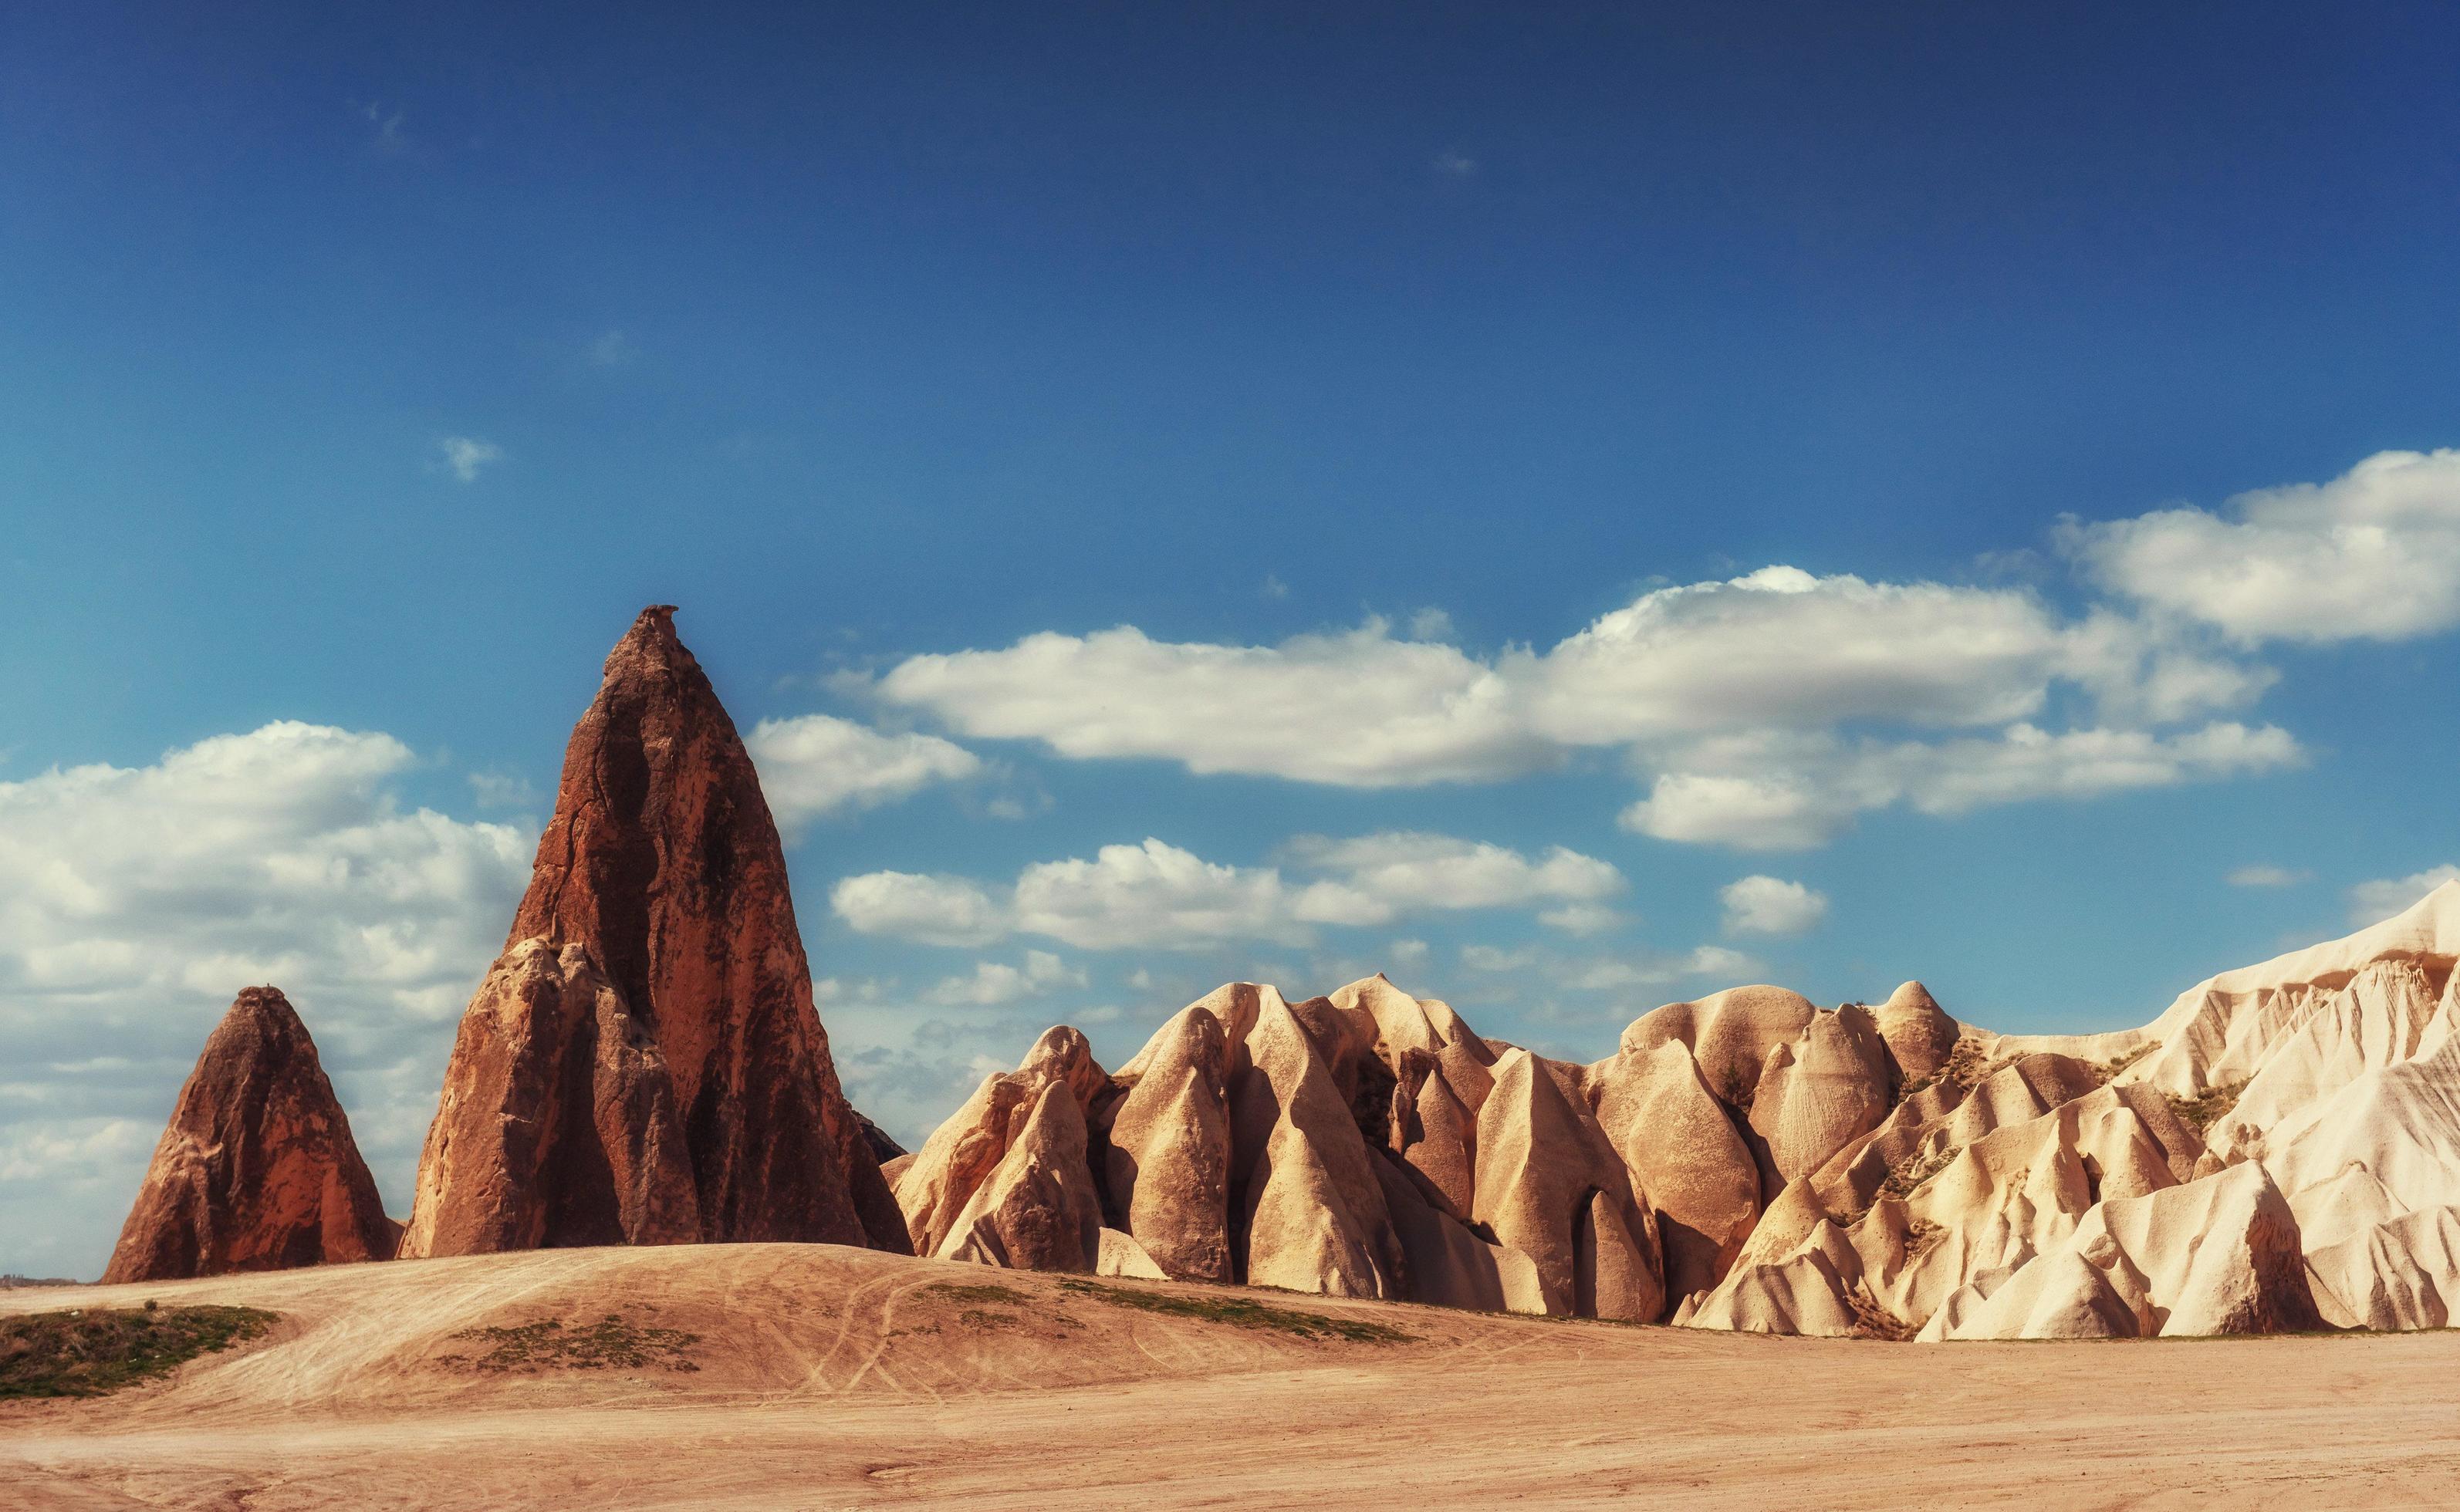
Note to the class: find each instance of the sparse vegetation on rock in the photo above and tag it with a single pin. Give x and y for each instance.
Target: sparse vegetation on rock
(93, 1352)
(609, 1343)
(1241, 1313)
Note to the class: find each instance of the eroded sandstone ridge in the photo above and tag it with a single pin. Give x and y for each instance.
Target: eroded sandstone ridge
(644, 1065)
(2279, 1150)
(257, 1170)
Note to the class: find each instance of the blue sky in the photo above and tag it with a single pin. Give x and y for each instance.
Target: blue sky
(1389, 425)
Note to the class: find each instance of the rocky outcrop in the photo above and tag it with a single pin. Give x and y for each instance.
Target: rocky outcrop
(1037, 1209)
(1920, 1035)
(2275, 1152)
(1550, 1186)
(1167, 1161)
(560, 1125)
(1305, 1196)
(644, 1065)
(257, 1170)
(1009, 1179)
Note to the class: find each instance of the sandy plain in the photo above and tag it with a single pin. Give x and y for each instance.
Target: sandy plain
(830, 1377)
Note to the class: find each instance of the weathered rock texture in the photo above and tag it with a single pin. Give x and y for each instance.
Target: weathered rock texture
(257, 1170)
(2281, 1150)
(644, 1065)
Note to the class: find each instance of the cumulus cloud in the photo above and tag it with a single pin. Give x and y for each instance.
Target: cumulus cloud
(135, 902)
(934, 910)
(1731, 697)
(995, 983)
(465, 456)
(1161, 896)
(2373, 902)
(815, 765)
(1767, 905)
(1791, 794)
(1623, 973)
(2264, 876)
(1352, 710)
(1584, 919)
(1153, 894)
(1378, 877)
(2372, 554)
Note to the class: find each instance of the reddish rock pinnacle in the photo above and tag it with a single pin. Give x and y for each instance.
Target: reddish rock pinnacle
(257, 1170)
(644, 1065)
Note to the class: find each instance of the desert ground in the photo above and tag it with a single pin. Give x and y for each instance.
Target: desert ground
(838, 1378)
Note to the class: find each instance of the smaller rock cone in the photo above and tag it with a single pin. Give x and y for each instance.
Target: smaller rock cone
(257, 1170)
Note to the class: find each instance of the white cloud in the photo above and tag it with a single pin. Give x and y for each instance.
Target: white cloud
(610, 349)
(2264, 876)
(1401, 872)
(1456, 166)
(1353, 711)
(464, 456)
(1584, 919)
(2371, 554)
(72, 1147)
(135, 902)
(996, 982)
(1621, 972)
(1492, 958)
(1767, 905)
(1431, 623)
(1729, 697)
(2373, 902)
(1158, 895)
(936, 910)
(1785, 794)
(1152, 894)
(815, 765)
(495, 789)
(1274, 587)
(1408, 951)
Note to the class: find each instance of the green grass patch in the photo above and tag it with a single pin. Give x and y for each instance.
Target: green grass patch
(609, 1344)
(92, 1352)
(1242, 1313)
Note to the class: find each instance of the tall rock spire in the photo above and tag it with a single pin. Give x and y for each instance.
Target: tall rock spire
(257, 1170)
(644, 1065)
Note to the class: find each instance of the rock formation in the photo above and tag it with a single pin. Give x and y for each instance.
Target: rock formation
(257, 1170)
(2276, 1151)
(644, 1064)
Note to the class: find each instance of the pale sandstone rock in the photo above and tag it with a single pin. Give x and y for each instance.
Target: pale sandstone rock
(1919, 1034)
(2400, 1273)
(1549, 1186)
(1168, 1165)
(2036, 1186)
(1685, 1155)
(1120, 1255)
(938, 1187)
(1037, 1209)
(2218, 1255)
(1305, 1194)
(1819, 1093)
